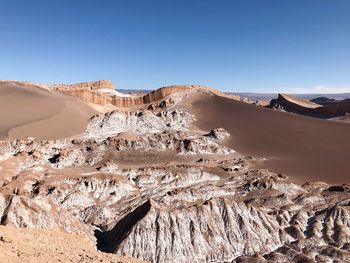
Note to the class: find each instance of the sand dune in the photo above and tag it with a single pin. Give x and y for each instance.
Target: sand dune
(134, 173)
(40, 113)
(307, 149)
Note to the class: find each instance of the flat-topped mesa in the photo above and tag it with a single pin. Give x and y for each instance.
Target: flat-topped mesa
(96, 92)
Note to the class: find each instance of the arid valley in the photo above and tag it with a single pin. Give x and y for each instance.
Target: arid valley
(178, 174)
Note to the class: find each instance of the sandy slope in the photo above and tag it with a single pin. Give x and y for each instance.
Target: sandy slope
(309, 149)
(301, 102)
(40, 113)
(306, 148)
(39, 246)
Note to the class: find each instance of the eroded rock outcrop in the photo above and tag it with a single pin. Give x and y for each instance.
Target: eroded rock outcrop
(91, 92)
(325, 110)
(213, 211)
(94, 85)
(207, 232)
(147, 183)
(138, 122)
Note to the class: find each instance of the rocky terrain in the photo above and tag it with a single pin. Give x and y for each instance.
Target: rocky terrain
(102, 92)
(320, 107)
(147, 182)
(336, 108)
(257, 102)
(40, 246)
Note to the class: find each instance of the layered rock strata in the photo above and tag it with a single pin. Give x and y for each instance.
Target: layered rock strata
(90, 93)
(94, 85)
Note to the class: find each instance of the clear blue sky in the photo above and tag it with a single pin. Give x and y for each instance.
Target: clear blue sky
(261, 45)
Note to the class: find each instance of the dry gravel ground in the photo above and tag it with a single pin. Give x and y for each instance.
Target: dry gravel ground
(41, 246)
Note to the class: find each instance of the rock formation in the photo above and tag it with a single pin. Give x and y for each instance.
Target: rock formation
(325, 109)
(257, 102)
(323, 101)
(95, 85)
(91, 92)
(147, 183)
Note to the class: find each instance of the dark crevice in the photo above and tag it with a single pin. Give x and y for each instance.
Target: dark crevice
(55, 158)
(109, 241)
(4, 214)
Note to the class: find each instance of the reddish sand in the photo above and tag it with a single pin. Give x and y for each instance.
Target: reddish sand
(25, 245)
(305, 148)
(40, 113)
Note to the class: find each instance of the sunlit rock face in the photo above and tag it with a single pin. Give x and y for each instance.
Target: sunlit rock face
(327, 109)
(103, 92)
(95, 85)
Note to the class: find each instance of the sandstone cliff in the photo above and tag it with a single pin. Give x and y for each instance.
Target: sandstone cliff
(103, 92)
(95, 85)
(90, 92)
